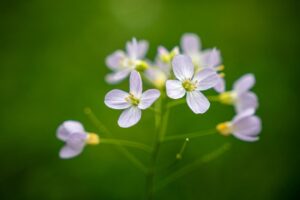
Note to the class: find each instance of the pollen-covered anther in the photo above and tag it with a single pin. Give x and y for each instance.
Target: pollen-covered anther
(92, 139)
(222, 75)
(133, 100)
(220, 68)
(224, 128)
(188, 85)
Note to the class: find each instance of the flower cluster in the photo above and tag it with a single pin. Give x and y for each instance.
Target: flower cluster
(183, 72)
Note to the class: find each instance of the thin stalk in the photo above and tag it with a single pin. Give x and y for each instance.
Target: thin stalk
(136, 145)
(161, 121)
(176, 103)
(213, 98)
(194, 165)
(93, 118)
(189, 135)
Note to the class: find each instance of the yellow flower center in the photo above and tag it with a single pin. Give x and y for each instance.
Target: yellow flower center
(132, 100)
(92, 139)
(228, 97)
(188, 85)
(141, 66)
(224, 128)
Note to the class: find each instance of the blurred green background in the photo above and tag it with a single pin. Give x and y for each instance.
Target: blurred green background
(52, 67)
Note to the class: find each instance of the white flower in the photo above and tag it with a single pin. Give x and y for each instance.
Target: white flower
(244, 126)
(240, 96)
(133, 102)
(210, 58)
(75, 137)
(122, 63)
(190, 83)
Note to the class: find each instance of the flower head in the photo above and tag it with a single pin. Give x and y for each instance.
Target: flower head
(191, 83)
(210, 58)
(240, 96)
(133, 102)
(122, 63)
(75, 137)
(244, 126)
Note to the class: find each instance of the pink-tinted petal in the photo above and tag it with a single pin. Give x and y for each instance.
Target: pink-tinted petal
(162, 50)
(136, 85)
(118, 76)
(129, 117)
(67, 128)
(243, 114)
(250, 126)
(245, 137)
(68, 152)
(76, 140)
(244, 83)
(211, 58)
(137, 50)
(197, 102)
(174, 89)
(206, 78)
(148, 98)
(113, 61)
(220, 86)
(183, 67)
(116, 99)
(245, 101)
(190, 43)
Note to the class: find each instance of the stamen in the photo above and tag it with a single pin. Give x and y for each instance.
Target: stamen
(132, 100)
(220, 68)
(189, 85)
(141, 66)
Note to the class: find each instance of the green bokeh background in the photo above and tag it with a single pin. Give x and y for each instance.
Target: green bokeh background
(52, 67)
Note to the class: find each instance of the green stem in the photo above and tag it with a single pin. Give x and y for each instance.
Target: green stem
(161, 121)
(190, 135)
(213, 98)
(137, 145)
(120, 148)
(194, 165)
(176, 103)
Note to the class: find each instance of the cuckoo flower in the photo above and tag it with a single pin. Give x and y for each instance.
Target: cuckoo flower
(210, 58)
(75, 137)
(156, 76)
(244, 126)
(133, 102)
(240, 96)
(122, 63)
(190, 83)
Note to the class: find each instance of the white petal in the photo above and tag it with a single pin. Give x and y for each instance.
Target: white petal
(137, 50)
(67, 128)
(190, 43)
(183, 67)
(68, 152)
(113, 61)
(197, 102)
(247, 127)
(243, 114)
(136, 86)
(245, 137)
(206, 78)
(148, 98)
(244, 84)
(129, 117)
(116, 99)
(174, 89)
(247, 100)
(118, 76)
(211, 58)
(220, 86)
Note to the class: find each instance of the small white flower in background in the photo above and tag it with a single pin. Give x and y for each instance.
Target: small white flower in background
(244, 126)
(165, 57)
(75, 137)
(191, 83)
(133, 102)
(240, 96)
(210, 58)
(156, 76)
(122, 63)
